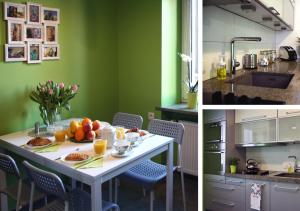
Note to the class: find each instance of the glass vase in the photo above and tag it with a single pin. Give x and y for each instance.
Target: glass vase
(50, 116)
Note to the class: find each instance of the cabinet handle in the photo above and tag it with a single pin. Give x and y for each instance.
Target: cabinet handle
(223, 203)
(276, 187)
(254, 118)
(292, 112)
(263, 184)
(222, 188)
(233, 181)
(274, 11)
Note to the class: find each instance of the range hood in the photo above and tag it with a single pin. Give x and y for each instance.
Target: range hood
(253, 10)
(262, 144)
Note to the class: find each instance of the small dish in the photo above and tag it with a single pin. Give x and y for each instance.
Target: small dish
(132, 137)
(121, 146)
(37, 147)
(116, 154)
(63, 158)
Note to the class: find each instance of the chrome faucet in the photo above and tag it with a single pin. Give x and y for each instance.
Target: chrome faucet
(235, 63)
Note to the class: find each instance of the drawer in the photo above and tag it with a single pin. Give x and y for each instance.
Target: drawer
(235, 181)
(227, 192)
(216, 204)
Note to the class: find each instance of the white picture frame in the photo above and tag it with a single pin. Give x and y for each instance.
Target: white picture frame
(15, 52)
(33, 33)
(14, 11)
(15, 32)
(50, 15)
(34, 52)
(50, 52)
(34, 13)
(50, 33)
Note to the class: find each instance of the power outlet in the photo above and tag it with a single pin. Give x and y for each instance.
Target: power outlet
(151, 115)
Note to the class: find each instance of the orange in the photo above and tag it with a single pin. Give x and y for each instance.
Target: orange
(86, 120)
(79, 134)
(69, 133)
(74, 125)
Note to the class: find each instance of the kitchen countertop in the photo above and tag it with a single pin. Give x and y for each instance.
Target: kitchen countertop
(269, 177)
(290, 95)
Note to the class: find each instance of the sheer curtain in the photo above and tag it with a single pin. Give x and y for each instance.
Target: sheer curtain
(189, 41)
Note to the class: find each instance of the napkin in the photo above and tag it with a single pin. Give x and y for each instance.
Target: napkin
(95, 162)
(255, 196)
(51, 148)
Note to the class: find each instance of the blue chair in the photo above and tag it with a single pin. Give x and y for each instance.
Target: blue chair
(149, 173)
(127, 120)
(50, 183)
(19, 193)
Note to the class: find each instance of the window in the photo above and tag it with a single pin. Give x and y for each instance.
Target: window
(189, 41)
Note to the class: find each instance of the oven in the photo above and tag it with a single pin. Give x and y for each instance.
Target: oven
(214, 136)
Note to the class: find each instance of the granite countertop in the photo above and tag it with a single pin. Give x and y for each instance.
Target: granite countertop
(270, 177)
(290, 95)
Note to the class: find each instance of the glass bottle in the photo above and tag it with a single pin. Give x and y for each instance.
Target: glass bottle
(221, 68)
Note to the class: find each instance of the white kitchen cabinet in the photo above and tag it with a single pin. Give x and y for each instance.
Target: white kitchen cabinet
(288, 12)
(288, 113)
(265, 194)
(252, 115)
(276, 4)
(289, 129)
(255, 132)
(285, 196)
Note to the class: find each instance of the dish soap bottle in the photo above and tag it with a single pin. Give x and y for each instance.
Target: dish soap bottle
(221, 68)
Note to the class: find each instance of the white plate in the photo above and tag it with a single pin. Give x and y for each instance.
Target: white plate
(73, 162)
(37, 147)
(114, 153)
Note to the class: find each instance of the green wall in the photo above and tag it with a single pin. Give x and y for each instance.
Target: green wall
(139, 55)
(88, 49)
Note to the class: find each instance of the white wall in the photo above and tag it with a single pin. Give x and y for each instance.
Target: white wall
(273, 158)
(290, 37)
(219, 27)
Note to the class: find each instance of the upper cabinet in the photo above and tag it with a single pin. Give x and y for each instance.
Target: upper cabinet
(288, 113)
(274, 14)
(253, 115)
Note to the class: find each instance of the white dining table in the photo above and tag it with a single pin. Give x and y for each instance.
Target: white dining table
(94, 177)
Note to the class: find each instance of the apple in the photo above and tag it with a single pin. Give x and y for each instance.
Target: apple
(98, 133)
(90, 135)
(87, 127)
(96, 125)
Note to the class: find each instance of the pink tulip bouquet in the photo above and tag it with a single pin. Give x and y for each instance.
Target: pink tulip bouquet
(52, 97)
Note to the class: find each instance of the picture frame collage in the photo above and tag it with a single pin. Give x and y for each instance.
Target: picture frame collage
(32, 32)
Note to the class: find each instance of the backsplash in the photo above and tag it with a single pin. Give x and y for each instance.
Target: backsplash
(273, 158)
(219, 27)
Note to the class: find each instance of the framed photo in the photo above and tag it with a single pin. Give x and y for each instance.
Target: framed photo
(34, 33)
(34, 52)
(15, 53)
(50, 34)
(15, 32)
(50, 52)
(13, 11)
(50, 15)
(33, 13)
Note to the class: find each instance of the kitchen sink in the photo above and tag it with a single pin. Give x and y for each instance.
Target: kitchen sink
(264, 79)
(291, 175)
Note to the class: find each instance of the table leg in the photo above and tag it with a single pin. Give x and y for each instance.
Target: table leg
(73, 183)
(110, 189)
(96, 195)
(169, 195)
(4, 205)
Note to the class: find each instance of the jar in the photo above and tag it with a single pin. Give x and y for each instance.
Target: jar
(108, 133)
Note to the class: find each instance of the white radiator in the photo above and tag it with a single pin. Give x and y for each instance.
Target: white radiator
(190, 148)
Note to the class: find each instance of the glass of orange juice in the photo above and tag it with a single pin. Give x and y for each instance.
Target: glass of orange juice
(60, 136)
(100, 146)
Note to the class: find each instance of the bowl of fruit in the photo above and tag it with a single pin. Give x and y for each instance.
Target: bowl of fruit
(85, 131)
